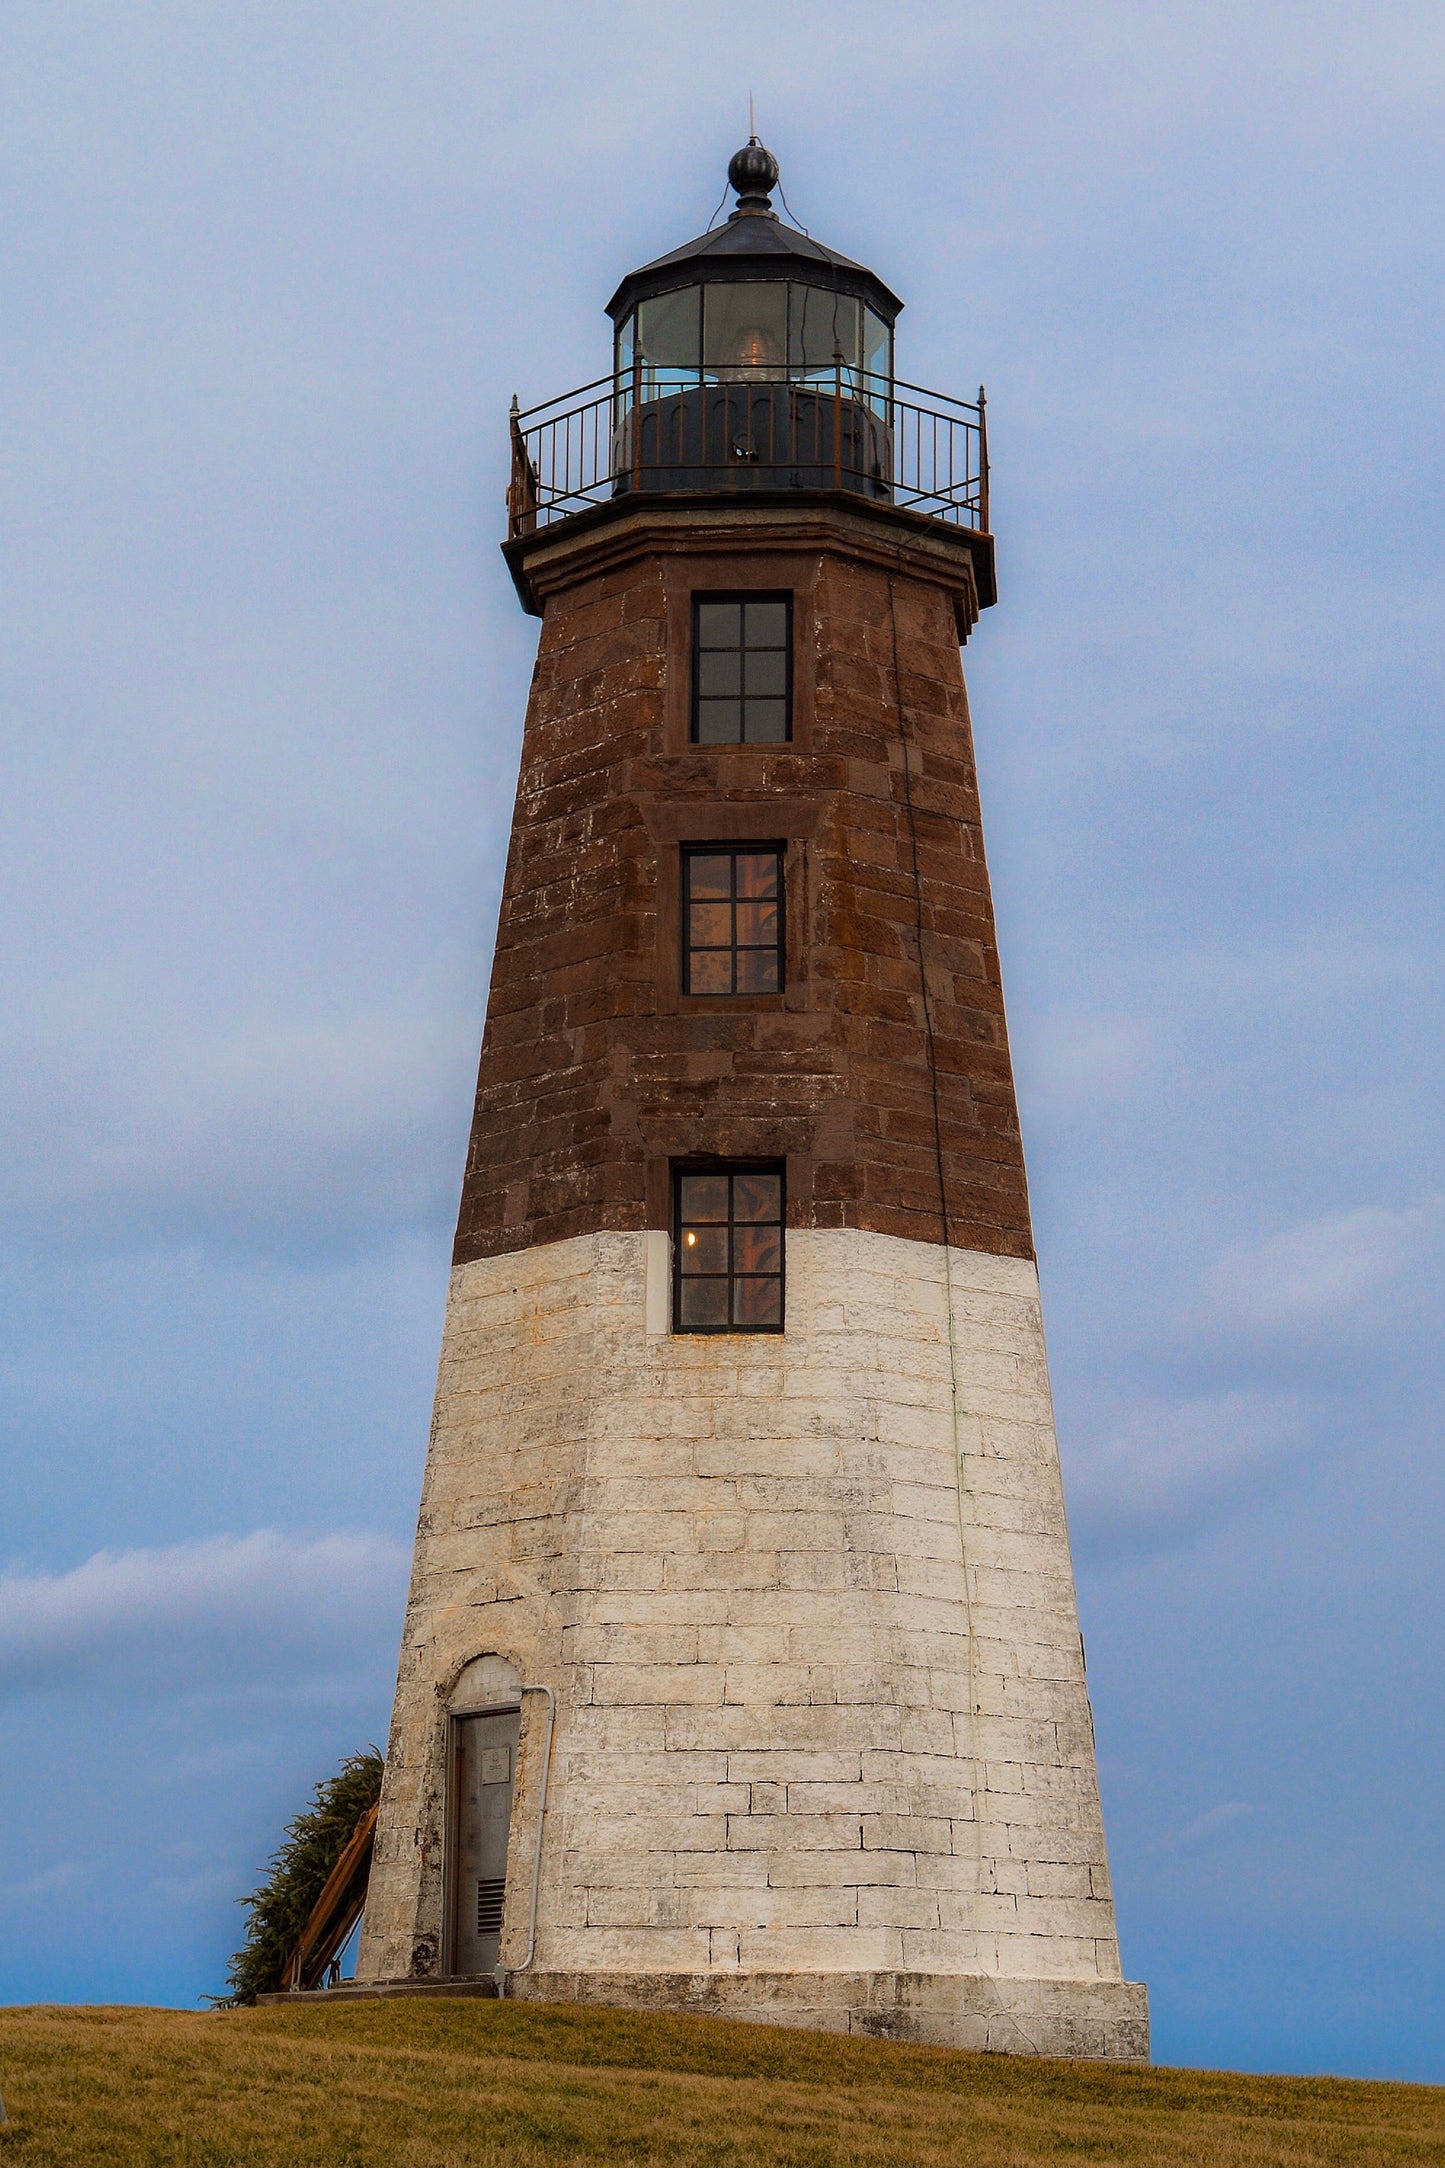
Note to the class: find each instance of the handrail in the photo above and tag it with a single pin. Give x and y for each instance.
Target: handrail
(643, 431)
(504, 1972)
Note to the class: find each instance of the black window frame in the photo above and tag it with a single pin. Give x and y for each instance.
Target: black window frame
(746, 595)
(733, 1168)
(734, 850)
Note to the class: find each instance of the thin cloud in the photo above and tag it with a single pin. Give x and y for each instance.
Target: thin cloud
(261, 1134)
(1205, 1825)
(1161, 1473)
(1327, 1272)
(261, 1607)
(1082, 1057)
(45, 1882)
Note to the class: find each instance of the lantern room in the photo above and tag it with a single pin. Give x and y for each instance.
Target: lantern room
(753, 301)
(752, 359)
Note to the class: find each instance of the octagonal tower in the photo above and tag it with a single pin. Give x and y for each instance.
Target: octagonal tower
(742, 1669)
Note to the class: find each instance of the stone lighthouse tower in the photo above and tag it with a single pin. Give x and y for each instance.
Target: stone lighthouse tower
(742, 1670)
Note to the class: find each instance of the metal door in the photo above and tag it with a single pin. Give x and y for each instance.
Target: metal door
(484, 1767)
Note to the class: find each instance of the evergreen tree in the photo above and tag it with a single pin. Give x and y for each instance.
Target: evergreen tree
(280, 1908)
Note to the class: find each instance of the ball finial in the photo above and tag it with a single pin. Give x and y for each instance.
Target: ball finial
(753, 172)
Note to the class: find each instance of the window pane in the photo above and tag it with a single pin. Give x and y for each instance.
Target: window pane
(757, 1197)
(704, 1197)
(704, 1249)
(766, 672)
(720, 673)
(719, 624)
(757, 924)
(757, 873)
(767, 624)
(767, 722)
(708, 875)
(757, 1249)
(710, 971)
(712, 924)
(702, 1303)
(757, 971)
(719, 722)
(757, 1303)
(742, 649)
(729, 1268)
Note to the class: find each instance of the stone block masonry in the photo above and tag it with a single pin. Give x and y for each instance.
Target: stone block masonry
(803, 1602)
(823, 1750)
(596, 1066)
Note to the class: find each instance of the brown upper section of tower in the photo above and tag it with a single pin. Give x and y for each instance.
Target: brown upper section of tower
(733, 460)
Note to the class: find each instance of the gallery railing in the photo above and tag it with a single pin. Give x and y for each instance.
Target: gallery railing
(646, 432)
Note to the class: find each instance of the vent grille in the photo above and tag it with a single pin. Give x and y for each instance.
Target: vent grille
(489, 1907)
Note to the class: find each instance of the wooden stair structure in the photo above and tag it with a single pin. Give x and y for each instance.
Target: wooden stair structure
(335, 1912)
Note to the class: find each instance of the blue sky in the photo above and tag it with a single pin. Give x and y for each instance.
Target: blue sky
(268, 278)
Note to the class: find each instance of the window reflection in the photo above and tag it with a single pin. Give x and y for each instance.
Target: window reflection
(721, 332)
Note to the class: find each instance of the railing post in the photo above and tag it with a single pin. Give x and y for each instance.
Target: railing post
(983, 459)
(522, 489)
(636, 416)
(837, 419)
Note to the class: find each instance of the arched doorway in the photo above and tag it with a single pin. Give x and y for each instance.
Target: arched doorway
(484, 1723)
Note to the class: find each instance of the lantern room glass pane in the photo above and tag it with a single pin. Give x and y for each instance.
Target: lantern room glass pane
(824, 326)
(667, 329)
(875, 344)
(877, 362)
(745, 332)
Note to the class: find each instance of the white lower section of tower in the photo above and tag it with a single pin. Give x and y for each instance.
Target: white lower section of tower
(822, 1749)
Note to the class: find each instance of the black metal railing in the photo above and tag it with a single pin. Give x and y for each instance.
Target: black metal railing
(847, 430)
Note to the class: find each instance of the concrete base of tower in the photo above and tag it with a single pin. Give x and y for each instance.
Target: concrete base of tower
(1093, 2020)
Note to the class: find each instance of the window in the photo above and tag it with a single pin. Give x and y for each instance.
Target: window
(728, 1275)
(732, 916)
(742, 669)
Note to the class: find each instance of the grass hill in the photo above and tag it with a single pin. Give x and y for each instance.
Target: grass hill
(439, 2084)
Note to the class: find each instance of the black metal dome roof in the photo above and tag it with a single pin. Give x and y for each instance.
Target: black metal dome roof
(754, 244)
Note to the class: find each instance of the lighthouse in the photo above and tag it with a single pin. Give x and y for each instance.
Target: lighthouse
(741, 1670)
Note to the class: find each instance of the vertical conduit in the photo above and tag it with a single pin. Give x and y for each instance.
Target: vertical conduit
(958, 1448)
(504, 1972)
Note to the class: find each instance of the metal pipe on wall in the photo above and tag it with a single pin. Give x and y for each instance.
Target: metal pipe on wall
(504, 1972)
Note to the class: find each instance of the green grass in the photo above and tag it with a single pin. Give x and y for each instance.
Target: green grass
(439, 2084)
